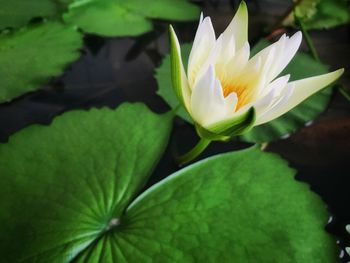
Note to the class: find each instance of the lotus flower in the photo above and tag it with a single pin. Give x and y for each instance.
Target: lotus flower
(225, 91)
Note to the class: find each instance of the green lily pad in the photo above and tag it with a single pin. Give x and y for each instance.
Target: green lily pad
(67, 194)
(302, 66)
(126, 18)
(61, 185)
(16, 13)
(224, 208)
(30, 56)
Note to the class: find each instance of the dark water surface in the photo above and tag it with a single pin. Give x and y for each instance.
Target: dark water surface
(111, 71)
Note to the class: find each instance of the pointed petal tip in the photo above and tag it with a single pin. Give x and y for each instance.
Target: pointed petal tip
(333, 76)
(298, 37)
(348, 228)
(242, 5)
(174, 42)
(242, 10)
(339, 72)
(201, 18)
(172, 33)
(298, 34)
(207, 19)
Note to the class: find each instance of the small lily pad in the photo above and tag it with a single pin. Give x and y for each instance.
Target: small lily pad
(30, 56)
(126, 18)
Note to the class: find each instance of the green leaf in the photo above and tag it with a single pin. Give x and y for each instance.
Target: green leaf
(330, 13)
(106, 18)
(180, 10)
(301, 66)
(304, 10)
(223, 208)
(62, 185)
(30, 56)
(163, 77)
(66, 191)
(16, 13)
(126, 18)
(320, 14)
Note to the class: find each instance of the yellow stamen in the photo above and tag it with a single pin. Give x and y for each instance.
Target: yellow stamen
(241, 90)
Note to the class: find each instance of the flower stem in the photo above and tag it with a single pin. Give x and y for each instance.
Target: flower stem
(344, 93)
(194, 152)
(289, 11)
(307, 38)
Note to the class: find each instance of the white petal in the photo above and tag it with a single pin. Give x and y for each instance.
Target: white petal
(220, 55)
(226, 45)
(202, 96)
(268, 61)
(303, 89)
(277, 85)
(239, 26)
(203, 43)
(284, 50)
(211, 59)
(178, 75)
(208, 104)
(265, 115)
(286, 54)
(239, 61)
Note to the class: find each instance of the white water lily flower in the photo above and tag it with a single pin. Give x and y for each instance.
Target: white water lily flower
(226, 92)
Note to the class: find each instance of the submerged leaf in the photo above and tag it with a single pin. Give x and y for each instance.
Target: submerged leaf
(30, 56)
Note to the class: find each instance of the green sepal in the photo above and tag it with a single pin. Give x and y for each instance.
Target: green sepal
(177, 73)
(225, 130)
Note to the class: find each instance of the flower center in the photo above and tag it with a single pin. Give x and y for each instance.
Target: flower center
(241, 90)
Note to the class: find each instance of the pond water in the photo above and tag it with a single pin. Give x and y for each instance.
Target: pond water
(111, 71)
